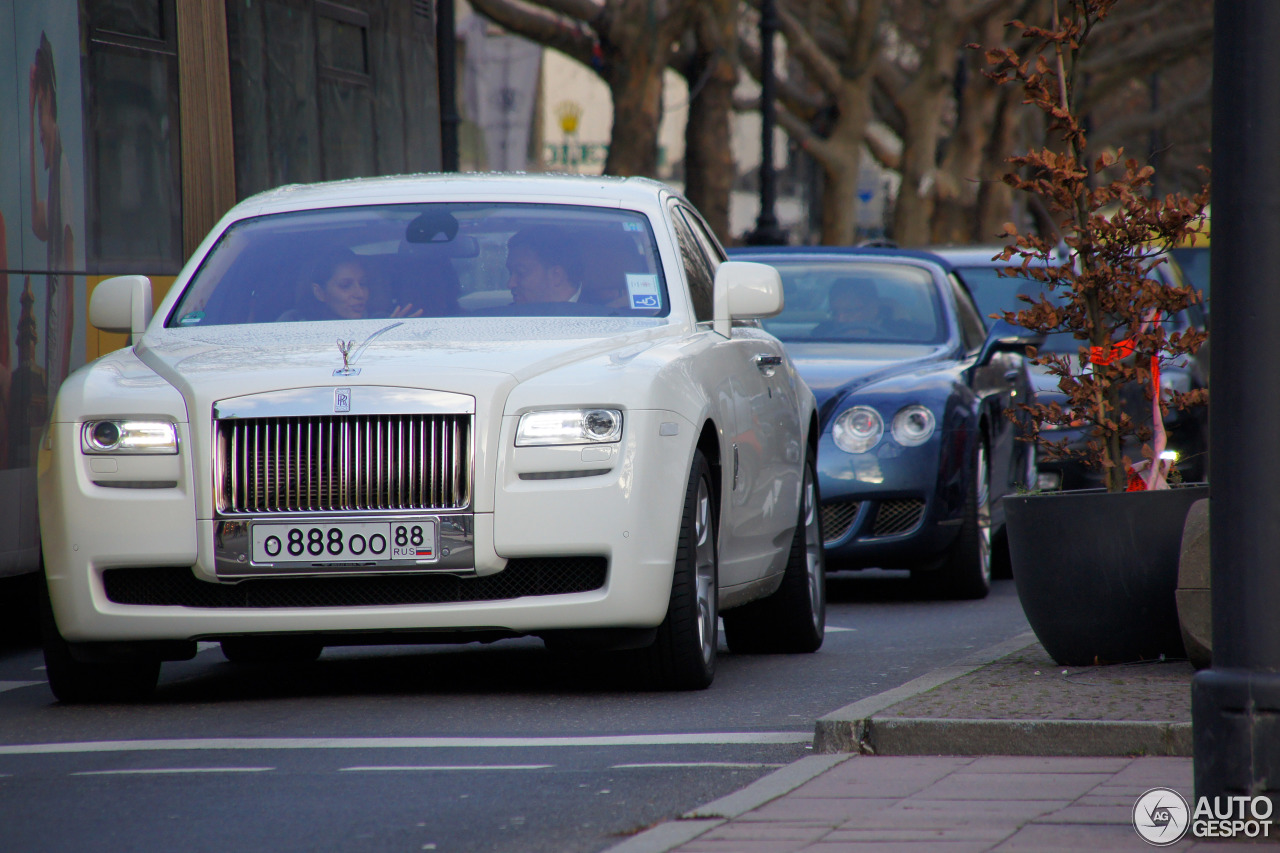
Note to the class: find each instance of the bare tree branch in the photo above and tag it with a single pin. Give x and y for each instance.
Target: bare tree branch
(797, 99)
(1133, 125)
(541, 25)
(825, 73)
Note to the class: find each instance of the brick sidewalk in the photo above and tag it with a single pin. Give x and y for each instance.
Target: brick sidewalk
(1003, 750)
(930, 803)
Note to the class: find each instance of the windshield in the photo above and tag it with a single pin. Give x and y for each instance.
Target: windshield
(858, 301)
(428, 260)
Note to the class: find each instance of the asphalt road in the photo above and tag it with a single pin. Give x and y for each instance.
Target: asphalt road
(466, 748)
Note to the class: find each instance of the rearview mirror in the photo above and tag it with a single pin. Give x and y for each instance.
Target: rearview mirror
(1006, 337)
(122, 305)
(745, 291)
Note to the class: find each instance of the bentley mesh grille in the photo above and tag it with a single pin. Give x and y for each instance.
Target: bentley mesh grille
(897, 516)
(177, 586)
(344, 463)
(837, 518)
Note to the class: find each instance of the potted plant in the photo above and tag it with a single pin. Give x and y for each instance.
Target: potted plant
(1096, 570)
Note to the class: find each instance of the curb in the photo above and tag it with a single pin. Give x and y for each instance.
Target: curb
(1093, 738)
(845, 730)
(856, 728)
(671, 834)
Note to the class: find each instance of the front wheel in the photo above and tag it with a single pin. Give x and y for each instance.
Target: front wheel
(73, 681)
(966, 570)
(683, 657)
(793, 618)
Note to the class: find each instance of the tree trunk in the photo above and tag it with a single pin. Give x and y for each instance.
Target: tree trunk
(841, 158)
(922, 104)
(636, 87)
(709, 166)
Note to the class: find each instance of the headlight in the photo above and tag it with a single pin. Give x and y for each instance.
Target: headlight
(573, 426)
(858, 429)
(126, 437)
(913, 425)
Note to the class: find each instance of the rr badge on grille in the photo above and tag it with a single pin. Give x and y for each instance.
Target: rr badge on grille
(341, 400)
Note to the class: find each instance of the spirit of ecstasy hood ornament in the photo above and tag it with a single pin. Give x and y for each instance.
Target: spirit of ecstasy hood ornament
(348, 359)
(345, 347)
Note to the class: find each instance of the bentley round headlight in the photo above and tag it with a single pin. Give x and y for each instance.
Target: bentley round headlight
(913, 425)
(858, 429)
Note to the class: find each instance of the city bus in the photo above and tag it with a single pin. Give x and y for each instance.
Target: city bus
(130, 126)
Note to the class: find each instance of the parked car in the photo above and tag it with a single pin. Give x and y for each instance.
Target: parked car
(435, 409)
(1187, 431)
(916, 451)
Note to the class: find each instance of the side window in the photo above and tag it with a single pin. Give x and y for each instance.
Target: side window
(972, 329)
(697, 269)
(709, 244)
(134, 187)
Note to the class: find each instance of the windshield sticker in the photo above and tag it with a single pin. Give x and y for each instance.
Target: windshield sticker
(643, 290)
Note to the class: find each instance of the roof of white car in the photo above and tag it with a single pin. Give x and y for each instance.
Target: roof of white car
(455, 187)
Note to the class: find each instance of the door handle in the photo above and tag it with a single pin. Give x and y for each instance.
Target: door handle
(767, 363)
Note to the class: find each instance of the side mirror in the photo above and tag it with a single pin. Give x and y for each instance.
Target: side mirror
(1006, 337)
(122, 305)
(745, 291)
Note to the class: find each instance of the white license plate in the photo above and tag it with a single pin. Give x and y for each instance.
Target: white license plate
(382, 542)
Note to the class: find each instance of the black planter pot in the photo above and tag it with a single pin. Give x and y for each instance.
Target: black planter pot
(1096, 572)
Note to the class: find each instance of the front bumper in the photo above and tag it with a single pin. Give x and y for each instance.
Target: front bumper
(894, 507)
(621, 511)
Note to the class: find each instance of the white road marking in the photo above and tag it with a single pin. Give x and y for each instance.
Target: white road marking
(145, 771)
(204, 647)
(696, 738)
(14, 685)
(835, 629)
(676, 764)
(446, 767)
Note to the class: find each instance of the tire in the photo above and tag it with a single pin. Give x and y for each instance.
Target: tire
(966, 570)
(75, 682)
(683, 657)
(793, 619)
(270, 649)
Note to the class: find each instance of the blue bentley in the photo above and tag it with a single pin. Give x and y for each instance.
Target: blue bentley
(918, 445)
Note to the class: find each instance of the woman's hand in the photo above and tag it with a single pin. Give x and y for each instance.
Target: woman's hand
(403, 311)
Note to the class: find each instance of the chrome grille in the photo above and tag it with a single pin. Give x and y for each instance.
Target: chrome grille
(837, 518)
(897, 516)
(344, 463)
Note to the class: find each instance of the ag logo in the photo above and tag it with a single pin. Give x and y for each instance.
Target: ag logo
(1161, 816)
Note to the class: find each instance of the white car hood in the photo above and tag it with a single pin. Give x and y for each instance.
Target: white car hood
(461, 355)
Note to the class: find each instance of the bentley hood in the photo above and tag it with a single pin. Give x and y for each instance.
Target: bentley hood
(835, 370)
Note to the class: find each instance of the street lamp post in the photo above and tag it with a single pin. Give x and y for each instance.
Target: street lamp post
(767, 231)
(447, 78)
(1235, 705)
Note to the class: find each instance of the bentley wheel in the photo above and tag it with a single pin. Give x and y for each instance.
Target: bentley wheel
(684, 655)
(793, 619)
(966, 573)
(270, 650)
(73, 681)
